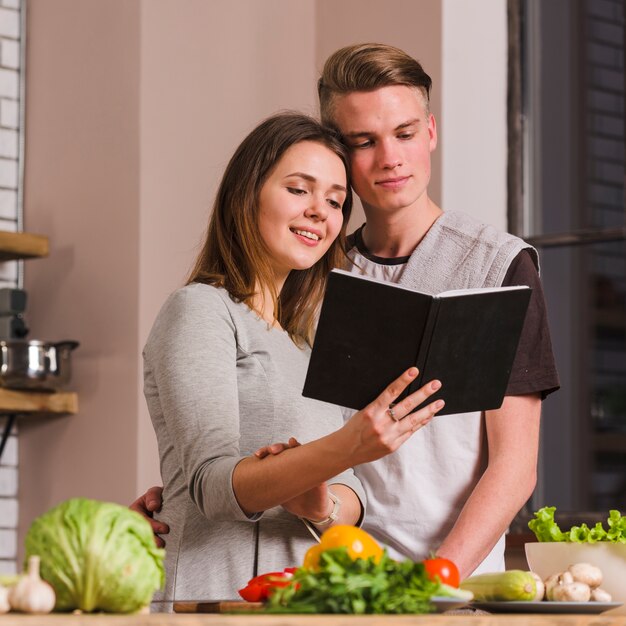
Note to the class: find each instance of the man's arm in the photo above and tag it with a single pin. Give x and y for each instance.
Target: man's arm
(505, 486)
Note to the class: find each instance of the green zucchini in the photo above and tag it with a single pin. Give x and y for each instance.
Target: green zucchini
(514, 585)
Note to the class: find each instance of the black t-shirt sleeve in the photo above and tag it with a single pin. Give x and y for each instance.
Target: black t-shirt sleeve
(534, 369)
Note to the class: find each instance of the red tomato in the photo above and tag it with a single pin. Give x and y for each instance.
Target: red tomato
(442, 569)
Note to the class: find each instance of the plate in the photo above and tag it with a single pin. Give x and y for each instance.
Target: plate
(545, 607)
(445, 603)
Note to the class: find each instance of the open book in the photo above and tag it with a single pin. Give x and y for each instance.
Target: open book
(370, 331)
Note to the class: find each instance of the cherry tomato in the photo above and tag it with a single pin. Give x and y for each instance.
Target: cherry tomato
(443, 570)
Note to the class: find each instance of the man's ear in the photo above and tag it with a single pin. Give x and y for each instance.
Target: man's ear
(432, 131)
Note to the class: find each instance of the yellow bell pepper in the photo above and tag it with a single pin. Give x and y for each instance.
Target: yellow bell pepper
(360, 545)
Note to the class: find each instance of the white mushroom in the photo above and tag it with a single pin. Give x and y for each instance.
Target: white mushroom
(539, 586)
(599, 595)
(586, 573)
(550, 583)
(571, 592)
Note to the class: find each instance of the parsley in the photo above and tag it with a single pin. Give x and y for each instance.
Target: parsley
(343, 585)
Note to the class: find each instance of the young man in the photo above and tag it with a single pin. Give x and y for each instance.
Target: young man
(454, 487)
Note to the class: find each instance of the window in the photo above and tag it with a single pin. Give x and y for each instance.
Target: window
(566, 197)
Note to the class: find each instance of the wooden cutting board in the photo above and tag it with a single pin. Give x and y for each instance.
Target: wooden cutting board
(225, 606)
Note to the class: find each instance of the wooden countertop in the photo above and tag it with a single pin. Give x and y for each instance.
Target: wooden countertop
(162, 619)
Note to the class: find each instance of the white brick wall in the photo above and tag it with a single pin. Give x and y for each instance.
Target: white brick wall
(8, 203)
(9, 146)
(9, 113)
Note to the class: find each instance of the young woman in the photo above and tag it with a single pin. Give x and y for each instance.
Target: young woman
(225, 363)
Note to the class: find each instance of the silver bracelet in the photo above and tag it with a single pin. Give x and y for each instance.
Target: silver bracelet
(334, 514)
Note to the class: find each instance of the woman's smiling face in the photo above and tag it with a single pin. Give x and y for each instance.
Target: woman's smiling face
(300, 207)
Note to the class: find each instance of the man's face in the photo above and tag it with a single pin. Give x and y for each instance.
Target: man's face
(390, 136)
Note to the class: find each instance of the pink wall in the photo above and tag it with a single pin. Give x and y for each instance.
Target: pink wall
(413, 26)
(82, 190)
(209, 72)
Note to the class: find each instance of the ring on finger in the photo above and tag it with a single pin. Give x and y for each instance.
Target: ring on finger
(392, 414)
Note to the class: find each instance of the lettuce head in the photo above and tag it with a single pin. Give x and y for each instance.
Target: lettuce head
(98, 556)
(546, 529)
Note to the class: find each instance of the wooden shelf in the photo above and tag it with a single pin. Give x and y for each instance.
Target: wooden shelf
(38, 403)
(15, 246)
(14, 404)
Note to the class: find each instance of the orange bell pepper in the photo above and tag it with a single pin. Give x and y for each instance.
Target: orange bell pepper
(360, 545)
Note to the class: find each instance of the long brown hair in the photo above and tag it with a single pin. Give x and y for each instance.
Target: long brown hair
(365, 67)
(234, 255)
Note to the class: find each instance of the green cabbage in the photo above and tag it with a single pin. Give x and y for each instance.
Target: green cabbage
(546, 529)
(98, 556)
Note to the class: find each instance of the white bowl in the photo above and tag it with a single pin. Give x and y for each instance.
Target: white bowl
(547, 558)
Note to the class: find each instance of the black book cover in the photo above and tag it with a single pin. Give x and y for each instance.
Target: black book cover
(369, 332)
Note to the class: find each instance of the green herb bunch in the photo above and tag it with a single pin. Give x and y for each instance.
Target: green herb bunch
(343, 585)
(546, 529)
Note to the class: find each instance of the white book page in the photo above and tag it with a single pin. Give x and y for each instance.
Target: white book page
(443, 294)
(479, 290)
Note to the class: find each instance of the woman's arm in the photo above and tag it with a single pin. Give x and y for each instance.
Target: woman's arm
(316, 503)
(190, 384)
(191, 387)
(370, 434)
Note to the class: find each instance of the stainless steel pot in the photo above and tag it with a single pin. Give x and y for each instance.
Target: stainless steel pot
(36, 365)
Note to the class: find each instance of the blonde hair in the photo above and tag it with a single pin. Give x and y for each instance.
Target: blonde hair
(365, 67)
(234, 255)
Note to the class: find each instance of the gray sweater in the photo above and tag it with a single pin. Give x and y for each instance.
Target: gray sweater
(459, 252)
(219, 384)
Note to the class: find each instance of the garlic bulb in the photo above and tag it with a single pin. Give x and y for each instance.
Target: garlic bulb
(31, 594)
(5, 607)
